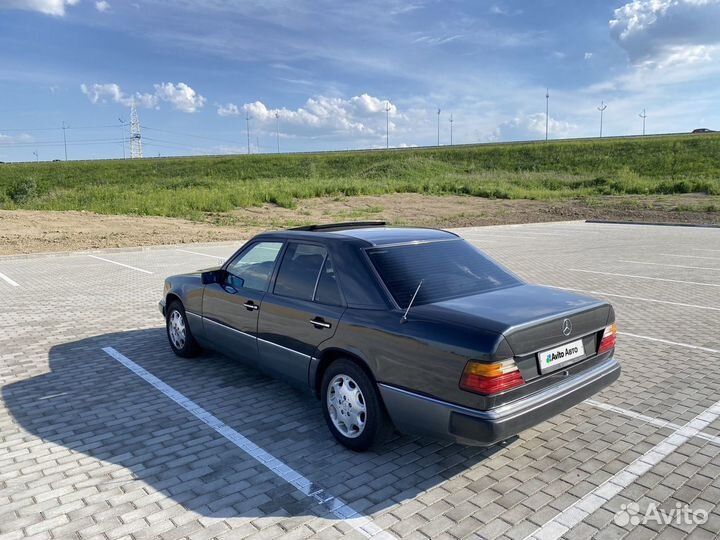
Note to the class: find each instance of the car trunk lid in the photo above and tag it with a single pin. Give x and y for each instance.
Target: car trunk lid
(530, 317)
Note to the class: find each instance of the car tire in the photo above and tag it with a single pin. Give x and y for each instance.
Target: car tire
(178, 331)
(352, 407)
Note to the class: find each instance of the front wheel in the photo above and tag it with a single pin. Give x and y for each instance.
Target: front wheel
(181, 339)
(352, 406)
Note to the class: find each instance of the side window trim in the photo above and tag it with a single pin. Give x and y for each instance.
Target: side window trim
(317, 278)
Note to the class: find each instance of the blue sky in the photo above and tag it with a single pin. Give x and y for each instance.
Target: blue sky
(326, 70)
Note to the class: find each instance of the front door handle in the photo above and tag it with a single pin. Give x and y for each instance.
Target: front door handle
(318, 322)
(251, 306)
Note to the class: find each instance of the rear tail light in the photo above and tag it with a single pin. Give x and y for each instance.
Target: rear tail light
(491, 378)
(609, 338)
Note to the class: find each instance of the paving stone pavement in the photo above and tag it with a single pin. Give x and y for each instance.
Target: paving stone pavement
(90, 450)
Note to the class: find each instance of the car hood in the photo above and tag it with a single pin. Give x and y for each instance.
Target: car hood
(524, 314)
(198, 273)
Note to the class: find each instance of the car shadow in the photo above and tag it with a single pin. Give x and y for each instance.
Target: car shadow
(93, 405)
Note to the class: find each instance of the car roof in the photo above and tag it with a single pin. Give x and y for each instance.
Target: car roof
(379, 236)
(375, 235)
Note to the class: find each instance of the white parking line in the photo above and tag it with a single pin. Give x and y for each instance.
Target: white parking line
(690, 256)
(658, 340)
(645, 277)
(595, 499)
(671, 265)
(634, 298)
(649, 419)
(334, 505)
(482, 235)
(203, 254)
(8, 280)
(120, 264)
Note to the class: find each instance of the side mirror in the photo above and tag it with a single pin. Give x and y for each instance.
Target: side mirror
(213, 276)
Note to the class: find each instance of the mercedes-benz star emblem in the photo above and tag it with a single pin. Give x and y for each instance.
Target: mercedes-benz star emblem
(566, 327)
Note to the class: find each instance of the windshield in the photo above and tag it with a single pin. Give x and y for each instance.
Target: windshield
(448, 269)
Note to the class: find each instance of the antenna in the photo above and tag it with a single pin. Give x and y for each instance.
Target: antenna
(247, 120)
(601, 108)
(451, 129)
(547, 112)
(643, 116)
(387, 125)
(277, 129)
(412, 301)
(136, 151)
(438, 113)
(64, 128)
(122, 133)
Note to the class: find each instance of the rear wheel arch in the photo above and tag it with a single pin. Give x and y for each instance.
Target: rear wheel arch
(331, 355)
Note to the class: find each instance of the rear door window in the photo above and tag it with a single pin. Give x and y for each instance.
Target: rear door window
(300, 271)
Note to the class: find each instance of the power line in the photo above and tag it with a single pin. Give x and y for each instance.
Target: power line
(8, 130)
(183, 134)
(71, 142)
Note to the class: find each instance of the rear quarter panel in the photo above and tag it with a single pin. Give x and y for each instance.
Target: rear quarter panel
(422, 356)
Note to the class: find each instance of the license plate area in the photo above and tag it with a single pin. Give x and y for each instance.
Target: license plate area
(561, 356)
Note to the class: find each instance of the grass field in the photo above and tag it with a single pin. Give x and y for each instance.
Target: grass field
(193, 187)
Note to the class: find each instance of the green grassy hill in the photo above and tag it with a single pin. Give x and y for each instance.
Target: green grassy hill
(190, 187)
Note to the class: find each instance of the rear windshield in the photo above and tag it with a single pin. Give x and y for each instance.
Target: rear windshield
(448, 269)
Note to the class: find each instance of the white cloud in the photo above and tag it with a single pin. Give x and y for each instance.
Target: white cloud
(228, 110)
(663, 33)
(48, 7)
(496, 9)
(14, 139)
(363, 114)
(532, 127)
(588, 55)
(100, 93)
(180, 96)
(102, 6)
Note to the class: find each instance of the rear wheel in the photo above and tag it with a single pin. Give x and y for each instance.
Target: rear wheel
(179, 335)
(352, 406)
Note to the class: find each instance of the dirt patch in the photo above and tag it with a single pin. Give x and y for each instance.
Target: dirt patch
(457, 211)
(27, 231)
(31, 231)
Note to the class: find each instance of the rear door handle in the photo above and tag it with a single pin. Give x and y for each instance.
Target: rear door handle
(251, 306)
(318, 322)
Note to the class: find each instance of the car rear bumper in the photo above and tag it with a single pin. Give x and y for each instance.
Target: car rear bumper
(418, 414)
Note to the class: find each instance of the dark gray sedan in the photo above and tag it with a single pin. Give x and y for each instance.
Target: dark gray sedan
(397, 326)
